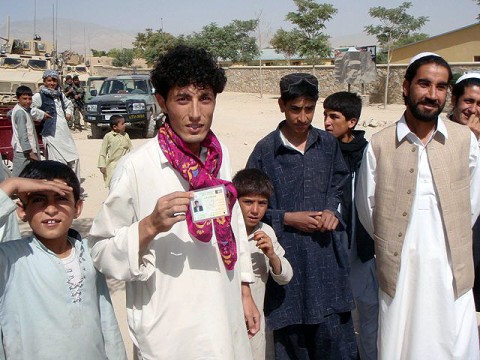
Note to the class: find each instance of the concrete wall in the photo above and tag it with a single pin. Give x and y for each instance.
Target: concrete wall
(251, 79)
(105, 70)
(456, 46)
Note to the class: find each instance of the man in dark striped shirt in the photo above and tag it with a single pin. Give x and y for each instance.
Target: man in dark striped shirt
(311, 315)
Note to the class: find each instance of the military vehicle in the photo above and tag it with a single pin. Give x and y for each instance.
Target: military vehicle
(22, 63)
(74, 64)
(131, 96)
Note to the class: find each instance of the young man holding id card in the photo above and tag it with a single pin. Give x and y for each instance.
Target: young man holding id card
(186, 278)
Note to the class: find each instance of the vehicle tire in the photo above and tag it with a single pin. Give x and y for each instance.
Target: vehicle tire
(150, 126)
(97, 132)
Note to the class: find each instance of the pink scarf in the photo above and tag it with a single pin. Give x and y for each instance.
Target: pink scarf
(202, 175)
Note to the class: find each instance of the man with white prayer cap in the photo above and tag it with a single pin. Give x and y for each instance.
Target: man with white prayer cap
(466, 101)
(466, 111)
(418, 196)
(55, 110)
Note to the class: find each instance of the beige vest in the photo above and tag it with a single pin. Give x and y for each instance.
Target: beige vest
(397, 169)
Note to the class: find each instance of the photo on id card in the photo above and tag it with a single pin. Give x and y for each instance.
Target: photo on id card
(209, 203)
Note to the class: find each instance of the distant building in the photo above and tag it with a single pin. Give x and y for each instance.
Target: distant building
(270, 57)
(461, 45)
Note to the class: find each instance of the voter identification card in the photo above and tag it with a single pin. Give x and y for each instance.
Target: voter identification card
(209, 203)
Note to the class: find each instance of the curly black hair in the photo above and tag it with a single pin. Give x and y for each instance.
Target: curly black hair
(185, 65)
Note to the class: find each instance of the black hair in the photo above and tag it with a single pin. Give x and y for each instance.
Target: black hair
(68, 77)
(252, 182)
(51, 170)
(185, 65)
(300, 90)
(459, 89)
(295, 85)
(75, 77)
(347, 103)
(115, 119)
(23, 90)
(429, 59)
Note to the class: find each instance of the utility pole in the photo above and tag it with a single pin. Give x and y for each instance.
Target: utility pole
(35, 19)
(54, 65)
(260, 50)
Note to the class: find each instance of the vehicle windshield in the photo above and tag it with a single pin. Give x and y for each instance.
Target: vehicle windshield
(124, 86)
(37, 64)
(11, 63)
(5, 87)
(95, 84)
(81, 69)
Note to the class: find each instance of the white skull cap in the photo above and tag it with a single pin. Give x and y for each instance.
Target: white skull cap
(421, 55)
(470, 75)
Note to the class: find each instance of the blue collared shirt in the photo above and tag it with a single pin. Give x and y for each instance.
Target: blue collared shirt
(311, 181)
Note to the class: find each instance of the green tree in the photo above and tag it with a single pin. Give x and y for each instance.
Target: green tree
(310, 19)
(140, 42)
(410, 39)
(286, 42)
(382, 56)
(150, 44)
(159, 43)
(395, 25)
(211, 38)
(98, 52)
(122, 57)
(233, 42)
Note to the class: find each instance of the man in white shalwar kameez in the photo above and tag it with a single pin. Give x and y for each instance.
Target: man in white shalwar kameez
(184, 290)
(418, 196)
(52, 107)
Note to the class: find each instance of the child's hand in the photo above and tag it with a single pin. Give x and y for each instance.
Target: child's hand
(103, 170)
(15, 185)
(47, 116)
(264, 243)
(32, 156)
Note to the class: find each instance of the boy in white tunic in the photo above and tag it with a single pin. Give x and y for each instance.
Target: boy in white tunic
(24, 135)
(254, 188)
(418, 197)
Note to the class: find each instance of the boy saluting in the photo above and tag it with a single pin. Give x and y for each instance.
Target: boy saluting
(53, 303)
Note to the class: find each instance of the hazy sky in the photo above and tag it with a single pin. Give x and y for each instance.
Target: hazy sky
(184, 17)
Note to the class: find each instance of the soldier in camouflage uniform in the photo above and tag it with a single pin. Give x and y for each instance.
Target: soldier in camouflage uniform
(68, 90)
(79, 104)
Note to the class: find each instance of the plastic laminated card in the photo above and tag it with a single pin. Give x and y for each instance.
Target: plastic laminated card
(209, 203)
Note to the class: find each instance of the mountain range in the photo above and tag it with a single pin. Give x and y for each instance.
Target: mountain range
(82, 36)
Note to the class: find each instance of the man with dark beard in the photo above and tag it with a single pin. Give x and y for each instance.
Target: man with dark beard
(418, 196)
